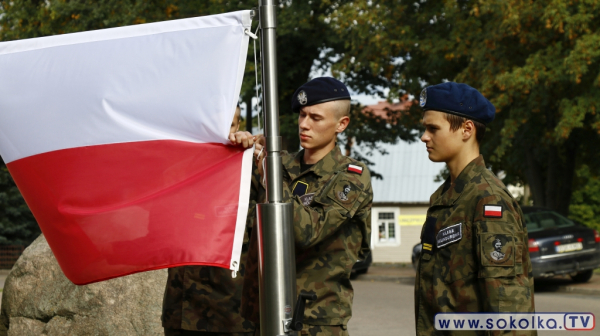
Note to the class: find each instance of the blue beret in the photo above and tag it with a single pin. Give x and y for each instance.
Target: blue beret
(319, 90)
(459, 99)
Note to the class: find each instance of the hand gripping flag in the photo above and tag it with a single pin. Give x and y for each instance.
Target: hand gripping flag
(117, 139)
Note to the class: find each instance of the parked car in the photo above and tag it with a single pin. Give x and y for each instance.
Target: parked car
(362, 266)
(557, 245)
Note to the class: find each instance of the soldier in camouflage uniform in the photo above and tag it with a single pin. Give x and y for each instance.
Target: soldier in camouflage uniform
(475, 255)
(203, 300)
(332, 198)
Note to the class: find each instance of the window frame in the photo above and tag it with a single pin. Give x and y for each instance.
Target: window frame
(376, 222)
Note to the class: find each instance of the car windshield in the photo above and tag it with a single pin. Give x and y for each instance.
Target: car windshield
(536, 221)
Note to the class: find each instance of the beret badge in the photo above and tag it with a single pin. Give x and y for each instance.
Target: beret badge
(423, 99)
(302, 98)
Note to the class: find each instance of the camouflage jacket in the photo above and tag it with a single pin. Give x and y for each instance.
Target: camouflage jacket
(475, 256)
(332, 229)
(205, 298)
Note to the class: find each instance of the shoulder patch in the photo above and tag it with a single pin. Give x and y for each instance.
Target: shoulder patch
(492, 211)
(355, 169)
(448, 235)
(497, 249)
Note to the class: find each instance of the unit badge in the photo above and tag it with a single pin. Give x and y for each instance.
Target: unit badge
(302, 98)
(497, 249)
(343, 195)
(497, 253)
(423, 99)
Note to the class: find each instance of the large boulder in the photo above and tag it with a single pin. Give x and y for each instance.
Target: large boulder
(39, 300)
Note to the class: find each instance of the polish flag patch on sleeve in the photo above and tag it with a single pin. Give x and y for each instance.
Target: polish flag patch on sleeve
(355, 169)
(494, 211)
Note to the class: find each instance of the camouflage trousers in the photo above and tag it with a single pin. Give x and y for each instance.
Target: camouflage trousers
(316, 330)
(181, 332)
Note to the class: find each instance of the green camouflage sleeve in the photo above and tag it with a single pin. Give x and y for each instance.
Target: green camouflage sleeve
(346, 197)
(503, 259)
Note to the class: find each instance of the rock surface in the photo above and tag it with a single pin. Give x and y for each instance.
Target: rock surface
(39, 300)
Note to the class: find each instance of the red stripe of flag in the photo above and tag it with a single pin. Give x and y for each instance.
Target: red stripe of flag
(113, 210)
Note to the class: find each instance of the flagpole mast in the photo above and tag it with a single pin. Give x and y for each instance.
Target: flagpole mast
(277, 261)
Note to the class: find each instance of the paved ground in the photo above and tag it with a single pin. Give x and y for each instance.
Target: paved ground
(385, 308)
(400, 272)
(383, 300)
(382, 309)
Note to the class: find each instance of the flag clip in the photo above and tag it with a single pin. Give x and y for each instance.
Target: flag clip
(251, 34)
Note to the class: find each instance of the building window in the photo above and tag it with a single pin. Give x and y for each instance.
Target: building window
(387, 227)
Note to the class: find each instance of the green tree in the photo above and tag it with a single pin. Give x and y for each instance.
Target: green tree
(537, 61)
(17, 225)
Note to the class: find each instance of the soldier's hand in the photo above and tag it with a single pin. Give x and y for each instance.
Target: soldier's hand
(244, 139)
(259, 155)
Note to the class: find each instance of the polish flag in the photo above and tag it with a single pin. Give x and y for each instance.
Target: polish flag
(492, 211)
(117, 139)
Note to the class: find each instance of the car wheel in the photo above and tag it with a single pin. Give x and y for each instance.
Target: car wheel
(582, 277)
(362, 271)
(416, 265)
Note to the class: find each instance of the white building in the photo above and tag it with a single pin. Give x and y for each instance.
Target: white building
(401, 199)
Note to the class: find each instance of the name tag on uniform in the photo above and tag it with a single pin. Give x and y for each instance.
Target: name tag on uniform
(449, 235)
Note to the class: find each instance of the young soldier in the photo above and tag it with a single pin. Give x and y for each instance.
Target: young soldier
(203, 300)
(475, 256)
(332, 199)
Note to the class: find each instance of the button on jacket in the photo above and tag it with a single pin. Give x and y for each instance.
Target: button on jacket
(332, 228)
(475, 255)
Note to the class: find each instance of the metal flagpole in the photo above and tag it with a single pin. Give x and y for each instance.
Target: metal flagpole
(277, 262)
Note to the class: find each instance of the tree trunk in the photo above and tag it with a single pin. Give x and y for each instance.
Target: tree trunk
(555, 193)
(563, 198)
(553, 175)
(533, 173)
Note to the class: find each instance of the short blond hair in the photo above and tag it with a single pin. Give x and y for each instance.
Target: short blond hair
(341, 108)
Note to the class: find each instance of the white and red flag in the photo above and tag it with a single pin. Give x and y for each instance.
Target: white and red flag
(492, 211)
(117, 139)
